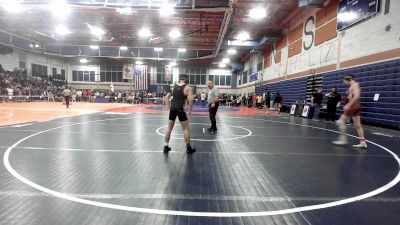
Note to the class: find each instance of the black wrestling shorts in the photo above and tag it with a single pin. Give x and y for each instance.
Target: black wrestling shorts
(181, 115)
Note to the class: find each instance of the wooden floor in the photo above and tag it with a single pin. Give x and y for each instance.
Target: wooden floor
(103, 164)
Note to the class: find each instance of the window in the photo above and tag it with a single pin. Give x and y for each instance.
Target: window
(228, 81)
(198, 80)
(80, 75)
(216, 79)
(92, 76)
(108, 76)
(222, 80)
(196, 76)
(110, 73)
(62, 74)
(38, 70)
(74, 75)
(244, 78)
(161, 75)
(83, 76)
(22, 65)
(54, 72)
(192, 79)
(259, 66)
(203, 79)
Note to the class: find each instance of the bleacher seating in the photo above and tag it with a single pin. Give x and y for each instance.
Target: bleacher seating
(380, 78)
(292, 91)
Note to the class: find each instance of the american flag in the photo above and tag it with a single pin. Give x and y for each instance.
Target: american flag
(140, 77)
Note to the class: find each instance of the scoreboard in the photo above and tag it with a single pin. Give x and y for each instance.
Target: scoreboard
(351, 12)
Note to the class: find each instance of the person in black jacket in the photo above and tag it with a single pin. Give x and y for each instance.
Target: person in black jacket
(277, 102)
(333, 99)
(316, 101)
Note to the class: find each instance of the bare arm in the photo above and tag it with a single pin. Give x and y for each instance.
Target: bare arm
(189, 94)
(167, 97)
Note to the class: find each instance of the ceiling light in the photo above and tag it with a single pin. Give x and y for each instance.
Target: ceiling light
(31, 45)
(83, 60)
(222, 65)
(96, 31)
(123, 48)
(158, 49)
(243, 36)
(139, 62)
(231, 51)
(181, 50)
(13, 6)
(226, 60)
(62, 30)
(37, 45)
(172, 64)
(60, 9)
(125, 11)
(94, 47)
(257, 13)
(144, 32)
(167, 10)
(175, 33)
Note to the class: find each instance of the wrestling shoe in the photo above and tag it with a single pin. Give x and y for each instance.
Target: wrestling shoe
(362, 145)
(166, 149)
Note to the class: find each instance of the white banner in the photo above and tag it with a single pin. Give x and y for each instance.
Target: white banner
(306, 111)
(168, 76)
(128, 72)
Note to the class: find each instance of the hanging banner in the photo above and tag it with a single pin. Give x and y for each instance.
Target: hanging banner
(167, 76)
(128, 72)
(254, 77)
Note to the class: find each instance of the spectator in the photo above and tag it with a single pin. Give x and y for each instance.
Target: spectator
(249, 100)
(79, 96)
(316, 101)
(254, 100)
(334, 99)
(203, 99)
(277, 102)
(259, 101)
(268, 100)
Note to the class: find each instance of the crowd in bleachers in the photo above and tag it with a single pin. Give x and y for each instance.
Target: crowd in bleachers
(18, 83)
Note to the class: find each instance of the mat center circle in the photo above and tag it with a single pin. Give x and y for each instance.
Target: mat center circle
(201, 130)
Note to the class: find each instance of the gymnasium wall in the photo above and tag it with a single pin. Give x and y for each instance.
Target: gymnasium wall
(11, 61)
(312, 43)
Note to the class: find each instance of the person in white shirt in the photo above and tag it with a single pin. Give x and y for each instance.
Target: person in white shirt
(203, 99)
(78, 95)
(213, 104)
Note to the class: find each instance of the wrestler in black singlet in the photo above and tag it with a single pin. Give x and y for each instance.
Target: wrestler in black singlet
(177, 105)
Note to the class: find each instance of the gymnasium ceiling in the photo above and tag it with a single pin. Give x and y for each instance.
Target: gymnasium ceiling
(205, 26)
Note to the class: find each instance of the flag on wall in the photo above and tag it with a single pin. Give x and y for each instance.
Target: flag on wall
(128, 72)
(140, 77)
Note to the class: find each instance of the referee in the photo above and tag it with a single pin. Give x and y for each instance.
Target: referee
(213, 104)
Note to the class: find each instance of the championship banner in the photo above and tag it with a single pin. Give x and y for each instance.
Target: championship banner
(128, 72)
(168, 75)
